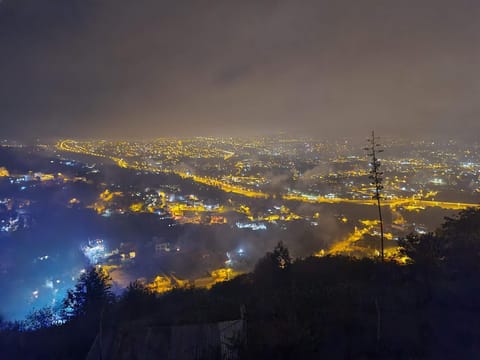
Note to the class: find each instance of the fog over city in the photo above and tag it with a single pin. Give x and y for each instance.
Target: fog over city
(239, 179)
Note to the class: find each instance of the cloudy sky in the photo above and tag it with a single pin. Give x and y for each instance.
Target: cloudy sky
(151, 68)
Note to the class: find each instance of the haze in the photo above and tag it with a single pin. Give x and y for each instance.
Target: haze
(152, 68)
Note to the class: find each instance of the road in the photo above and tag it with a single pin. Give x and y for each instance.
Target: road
(407, 203)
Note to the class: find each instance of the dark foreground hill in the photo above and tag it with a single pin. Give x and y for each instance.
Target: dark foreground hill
(330, 307)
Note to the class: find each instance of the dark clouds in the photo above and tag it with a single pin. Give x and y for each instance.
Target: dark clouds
(148, 68)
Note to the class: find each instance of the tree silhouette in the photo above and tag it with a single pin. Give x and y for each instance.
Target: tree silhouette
(281, 256)
(423, 250)
(273, 263)
(455, 245)
(376, 180)
(40, 319)
(90, 297)
(461, 239)
(136, 301)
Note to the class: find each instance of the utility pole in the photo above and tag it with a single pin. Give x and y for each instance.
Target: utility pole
(374, 148)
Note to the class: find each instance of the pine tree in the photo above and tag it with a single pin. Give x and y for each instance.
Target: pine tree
(90, 297)
(281, 256)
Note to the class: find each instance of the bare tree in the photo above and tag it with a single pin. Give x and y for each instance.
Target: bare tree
(374, 148)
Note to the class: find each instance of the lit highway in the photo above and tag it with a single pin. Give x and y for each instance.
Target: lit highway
(406, 203)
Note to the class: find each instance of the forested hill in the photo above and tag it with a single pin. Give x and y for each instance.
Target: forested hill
(317, 307)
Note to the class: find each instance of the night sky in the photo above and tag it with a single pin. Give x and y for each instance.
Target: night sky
(153, 68)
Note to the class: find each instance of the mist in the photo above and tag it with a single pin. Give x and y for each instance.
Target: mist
(145, 69)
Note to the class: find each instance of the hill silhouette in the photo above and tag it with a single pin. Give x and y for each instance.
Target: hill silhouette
(318, 307)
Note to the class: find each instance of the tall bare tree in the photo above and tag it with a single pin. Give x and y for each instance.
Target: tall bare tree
(374, 148)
